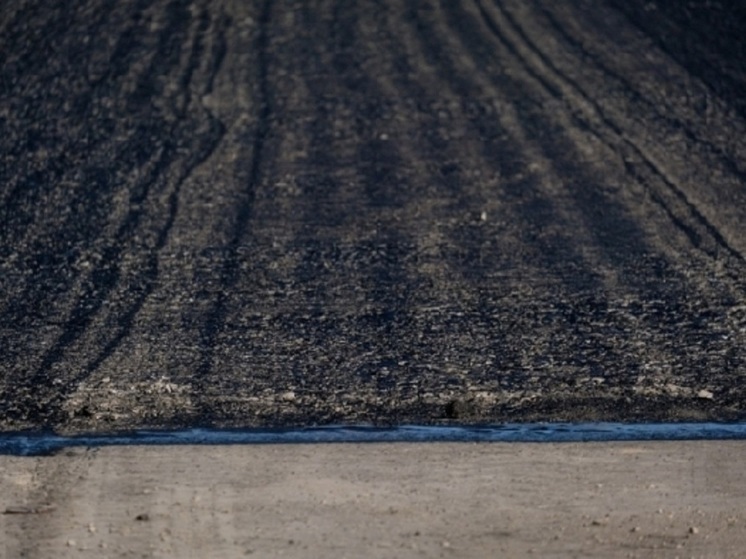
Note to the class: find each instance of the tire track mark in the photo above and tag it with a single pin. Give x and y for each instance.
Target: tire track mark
(578, 311)
(34, 64)
(717, 60)
(727, 161)
(55, 253)
(571, 307)
(139, 193)
(229, 274)
(477, 287)
(681, 222)
(346, 161)
(205, 148)
(359, 212)
(104, 281)
(520, 340)
(668, 319)
(665, 120)
(460, 339)
(58, 251)
(505, 155)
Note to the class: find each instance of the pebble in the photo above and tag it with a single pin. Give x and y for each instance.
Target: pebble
(705, 394)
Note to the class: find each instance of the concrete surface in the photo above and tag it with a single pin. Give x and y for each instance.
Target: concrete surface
(626, 500)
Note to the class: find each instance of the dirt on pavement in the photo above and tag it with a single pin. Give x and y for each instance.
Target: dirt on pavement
(615, 500)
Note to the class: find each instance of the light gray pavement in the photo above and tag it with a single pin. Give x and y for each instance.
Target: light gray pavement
(460, 500)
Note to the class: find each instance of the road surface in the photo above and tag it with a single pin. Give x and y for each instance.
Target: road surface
(278, 213)
(662, 500)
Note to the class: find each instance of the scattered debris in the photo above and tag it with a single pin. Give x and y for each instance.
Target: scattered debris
(24, 509)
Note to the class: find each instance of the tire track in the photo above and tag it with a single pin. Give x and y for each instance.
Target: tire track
(570, 307)
(212, 137)
(506, 155)
(683, 305)
(456, 310)
(715, 58)
(617, 316)
(60, 249)
(229, 273)
(506, 345)
(287, 213)
(104, 281)
(680, 221)
(485, 318)
(331, 292)
(709, 145)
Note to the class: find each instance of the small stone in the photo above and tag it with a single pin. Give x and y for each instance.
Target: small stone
(693, 530)
(705, 394)
(288, 396)
(71, 543)
(635, 529)
(92, 528)
(143, 517)
(458, 409)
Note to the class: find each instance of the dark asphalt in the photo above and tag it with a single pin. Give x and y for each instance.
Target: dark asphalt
(278, 213)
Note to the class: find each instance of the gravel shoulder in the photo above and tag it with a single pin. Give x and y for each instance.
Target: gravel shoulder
(663, 500)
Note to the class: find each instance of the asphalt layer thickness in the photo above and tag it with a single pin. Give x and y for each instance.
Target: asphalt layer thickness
(281, 213)
(45, 444)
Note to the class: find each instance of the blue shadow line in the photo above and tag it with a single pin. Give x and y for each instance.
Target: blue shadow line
(40, 443)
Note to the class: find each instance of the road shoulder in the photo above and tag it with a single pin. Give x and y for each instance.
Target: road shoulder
(648, 499)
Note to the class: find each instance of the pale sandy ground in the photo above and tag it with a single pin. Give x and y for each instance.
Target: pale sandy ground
(678, 499)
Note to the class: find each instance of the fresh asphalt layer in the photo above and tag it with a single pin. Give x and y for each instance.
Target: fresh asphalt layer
(279, 213)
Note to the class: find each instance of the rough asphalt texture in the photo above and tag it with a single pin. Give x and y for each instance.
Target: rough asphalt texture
(274, 213)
